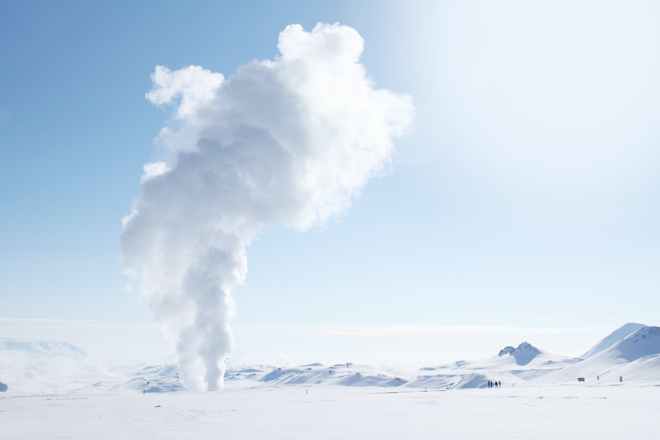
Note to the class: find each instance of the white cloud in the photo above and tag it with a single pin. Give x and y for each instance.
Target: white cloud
(154, 169)
(195, 86)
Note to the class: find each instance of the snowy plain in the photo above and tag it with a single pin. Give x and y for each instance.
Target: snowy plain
(329, 412)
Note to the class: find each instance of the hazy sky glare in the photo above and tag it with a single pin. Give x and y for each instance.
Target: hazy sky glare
(525, 196)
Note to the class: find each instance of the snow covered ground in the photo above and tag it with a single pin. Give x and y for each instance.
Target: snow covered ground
(52, 390)
(330, 412)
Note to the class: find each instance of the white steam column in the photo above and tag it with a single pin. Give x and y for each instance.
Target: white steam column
(289, 140)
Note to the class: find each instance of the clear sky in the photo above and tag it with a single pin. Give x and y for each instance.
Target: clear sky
(525, 196)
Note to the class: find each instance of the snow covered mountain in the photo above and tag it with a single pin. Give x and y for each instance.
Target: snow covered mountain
(613, 338)
(642, 343)
(523, 354)
(634, 357)
(632, 351)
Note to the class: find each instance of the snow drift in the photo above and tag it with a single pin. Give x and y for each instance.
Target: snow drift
(284, 141)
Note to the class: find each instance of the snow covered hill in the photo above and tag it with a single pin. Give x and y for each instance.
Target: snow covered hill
(41, 348)
(642, 343)
(155, 379)
(523, 354)
(632, 351)
(512, 366)
(346, 374)
(634, 356)
(613, 338)
(44, 366)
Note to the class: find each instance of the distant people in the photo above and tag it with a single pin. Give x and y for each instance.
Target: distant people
(620, 379)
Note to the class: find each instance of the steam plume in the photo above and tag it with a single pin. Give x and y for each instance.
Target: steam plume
(288, 141)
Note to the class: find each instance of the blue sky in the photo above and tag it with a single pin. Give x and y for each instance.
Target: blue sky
(524, 196)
